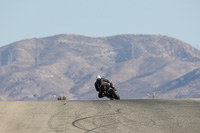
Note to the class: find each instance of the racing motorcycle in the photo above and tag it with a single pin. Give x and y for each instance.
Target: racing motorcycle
(110, 92)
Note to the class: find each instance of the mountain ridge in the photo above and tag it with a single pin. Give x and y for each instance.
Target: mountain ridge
(39, 68)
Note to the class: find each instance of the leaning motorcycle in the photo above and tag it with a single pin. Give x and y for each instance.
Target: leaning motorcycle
(111, 93)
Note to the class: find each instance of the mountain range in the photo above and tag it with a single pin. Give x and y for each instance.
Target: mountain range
(67, 64)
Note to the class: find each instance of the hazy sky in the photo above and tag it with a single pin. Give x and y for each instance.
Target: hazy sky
(24, 19)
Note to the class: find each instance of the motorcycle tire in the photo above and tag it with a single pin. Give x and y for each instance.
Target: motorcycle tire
(114, 94)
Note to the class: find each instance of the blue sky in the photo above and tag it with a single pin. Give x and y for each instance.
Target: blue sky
(25, 19)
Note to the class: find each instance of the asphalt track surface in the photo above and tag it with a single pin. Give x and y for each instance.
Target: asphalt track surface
(124, 116)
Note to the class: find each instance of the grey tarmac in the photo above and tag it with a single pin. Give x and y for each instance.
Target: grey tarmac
(101, 116)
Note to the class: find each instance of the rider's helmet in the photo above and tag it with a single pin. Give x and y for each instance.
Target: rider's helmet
(98, 77)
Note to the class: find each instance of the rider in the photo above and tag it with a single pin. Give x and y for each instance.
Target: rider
(101, 84)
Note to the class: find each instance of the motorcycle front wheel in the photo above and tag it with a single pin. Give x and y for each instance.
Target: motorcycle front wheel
(114, 94)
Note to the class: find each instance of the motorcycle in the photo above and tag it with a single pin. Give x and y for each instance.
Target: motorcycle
(110, 92)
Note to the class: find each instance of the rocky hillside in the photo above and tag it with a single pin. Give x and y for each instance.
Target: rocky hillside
(40, 69)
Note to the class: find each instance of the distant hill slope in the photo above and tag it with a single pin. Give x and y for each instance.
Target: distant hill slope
(38, 69)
